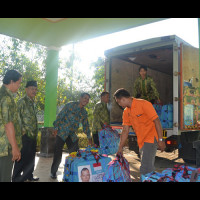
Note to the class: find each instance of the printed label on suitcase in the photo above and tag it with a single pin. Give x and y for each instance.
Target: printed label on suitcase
(84, 173)
(97, 166)
(97, 177)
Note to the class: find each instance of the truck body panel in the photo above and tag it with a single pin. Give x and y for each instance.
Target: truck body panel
(174, 66)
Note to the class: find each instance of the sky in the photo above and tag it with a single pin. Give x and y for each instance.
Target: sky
(90, 50)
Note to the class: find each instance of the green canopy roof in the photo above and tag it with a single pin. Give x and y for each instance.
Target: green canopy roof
(58, 32)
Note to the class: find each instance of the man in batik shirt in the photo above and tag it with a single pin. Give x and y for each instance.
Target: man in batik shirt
(66, 125)
(101, 116)
(27, 111)
(145, 87)
(10, 125)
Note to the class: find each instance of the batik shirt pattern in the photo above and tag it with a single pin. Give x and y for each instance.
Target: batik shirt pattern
(101, 116)
(68, 120)
(27, 111)
(8, 113)
(146, 88)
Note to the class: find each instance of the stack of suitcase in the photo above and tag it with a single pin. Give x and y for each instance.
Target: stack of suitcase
(85, 166)
(93, 164)
(165, 114)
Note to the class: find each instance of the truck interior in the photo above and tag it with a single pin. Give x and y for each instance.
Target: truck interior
(125, 69)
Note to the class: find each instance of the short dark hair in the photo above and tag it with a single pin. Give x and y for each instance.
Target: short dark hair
(143, 67)
(104, 93)
(84, 169)
(11, 75)
(83, 94)
(121, 93)
(31, 83)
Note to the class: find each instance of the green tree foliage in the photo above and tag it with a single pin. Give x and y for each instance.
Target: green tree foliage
(28, 59)
(98, 78)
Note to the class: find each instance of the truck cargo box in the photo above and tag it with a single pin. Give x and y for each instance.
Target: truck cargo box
(174, 66)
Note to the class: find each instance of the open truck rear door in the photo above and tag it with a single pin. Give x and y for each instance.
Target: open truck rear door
(189, 87)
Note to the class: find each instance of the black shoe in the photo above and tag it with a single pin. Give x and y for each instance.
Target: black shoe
(53, 176)
(33, 179)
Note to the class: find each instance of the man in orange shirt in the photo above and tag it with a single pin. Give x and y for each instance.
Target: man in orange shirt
(141, 115)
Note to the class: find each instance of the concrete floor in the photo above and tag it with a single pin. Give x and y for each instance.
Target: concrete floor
(163, 160)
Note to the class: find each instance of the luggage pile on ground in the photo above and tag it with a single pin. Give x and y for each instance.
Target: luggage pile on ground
(165, 114)
(93, 164)
(179, 173)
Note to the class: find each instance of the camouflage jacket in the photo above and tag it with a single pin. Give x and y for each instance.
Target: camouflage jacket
(146, 88)
(101, 116)
(68, 120)
(27, 112)
(8, 113)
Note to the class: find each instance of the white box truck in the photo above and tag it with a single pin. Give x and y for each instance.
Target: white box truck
(174, 66)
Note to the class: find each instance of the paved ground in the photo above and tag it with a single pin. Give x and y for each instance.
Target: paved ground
(163, 160)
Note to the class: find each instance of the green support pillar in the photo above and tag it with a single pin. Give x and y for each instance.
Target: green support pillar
(199, 42)
(51, 86)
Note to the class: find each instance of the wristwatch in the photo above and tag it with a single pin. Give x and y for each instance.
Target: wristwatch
(161, 139)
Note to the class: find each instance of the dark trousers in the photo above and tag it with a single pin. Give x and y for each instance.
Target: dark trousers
(6, 166)
(72, 146)
(27, 162)
(96, 138)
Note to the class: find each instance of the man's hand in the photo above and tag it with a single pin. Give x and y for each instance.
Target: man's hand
(16, 154)
(123, 138)
(10, 133)
(55, 132)
(120, 150)
(161, 145)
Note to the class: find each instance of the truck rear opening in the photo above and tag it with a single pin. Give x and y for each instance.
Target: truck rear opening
(174, 66)
(125, 69)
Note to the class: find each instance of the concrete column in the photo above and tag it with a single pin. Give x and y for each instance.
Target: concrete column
(51, 86)
(199, 41)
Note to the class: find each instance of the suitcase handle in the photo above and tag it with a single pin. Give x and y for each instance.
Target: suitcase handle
(121, 160)
(95, 154)
(120, 157)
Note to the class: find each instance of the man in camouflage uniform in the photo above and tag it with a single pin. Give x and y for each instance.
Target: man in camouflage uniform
(10, 125)
(66, 125)
(27, 111)
(101, 116)
(145, 87)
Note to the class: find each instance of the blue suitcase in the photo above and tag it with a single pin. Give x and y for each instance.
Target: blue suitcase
(166, 117)
(109, 140)
(179, 173)
(118, 170)
(85, 166)
(158, 109)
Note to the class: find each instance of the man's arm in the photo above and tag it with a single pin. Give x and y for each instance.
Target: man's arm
(7, 118)
(123, 138)
(161, 144)
(61, 115)
(10, 132)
